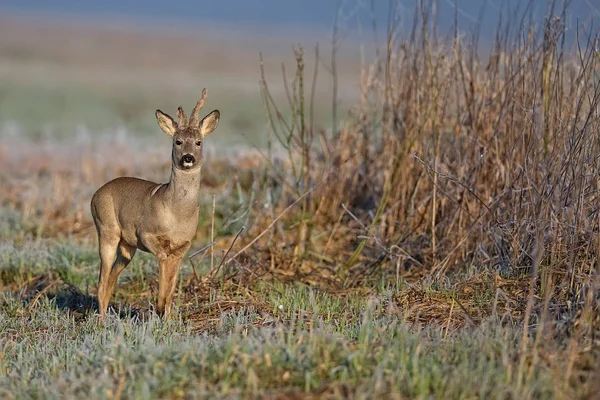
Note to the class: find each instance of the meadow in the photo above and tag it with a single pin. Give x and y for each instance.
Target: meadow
(421, 224)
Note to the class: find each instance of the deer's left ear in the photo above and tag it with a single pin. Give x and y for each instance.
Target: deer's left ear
(166, 123)
(210, 122)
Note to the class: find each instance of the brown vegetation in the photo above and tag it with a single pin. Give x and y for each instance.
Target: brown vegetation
(473, 183)
(449, 167)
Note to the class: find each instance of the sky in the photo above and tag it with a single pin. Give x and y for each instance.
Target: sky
(302, 14)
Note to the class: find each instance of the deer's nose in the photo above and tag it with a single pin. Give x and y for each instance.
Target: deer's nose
(188, 158)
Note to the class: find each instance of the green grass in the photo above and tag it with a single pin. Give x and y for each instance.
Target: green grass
(462, 320)
(47, 354)
(303, 340)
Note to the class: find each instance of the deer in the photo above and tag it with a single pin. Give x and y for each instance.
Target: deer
(158, 218)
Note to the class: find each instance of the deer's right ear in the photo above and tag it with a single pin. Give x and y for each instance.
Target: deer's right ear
(166, 123)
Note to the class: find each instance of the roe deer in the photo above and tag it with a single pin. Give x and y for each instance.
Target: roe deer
(162, 219)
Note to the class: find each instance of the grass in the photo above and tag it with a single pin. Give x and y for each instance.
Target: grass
(259, 337)
(283, 339)
(442, 243)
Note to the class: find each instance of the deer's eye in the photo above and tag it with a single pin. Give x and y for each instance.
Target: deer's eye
(178, 142)
(199, 143)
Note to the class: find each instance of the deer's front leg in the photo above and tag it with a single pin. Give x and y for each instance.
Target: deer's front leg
(167, 281)
(169, 261)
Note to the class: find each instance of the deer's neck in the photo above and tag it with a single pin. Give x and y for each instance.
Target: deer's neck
(183, 189)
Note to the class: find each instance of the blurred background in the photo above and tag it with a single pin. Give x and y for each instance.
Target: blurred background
(88, 68)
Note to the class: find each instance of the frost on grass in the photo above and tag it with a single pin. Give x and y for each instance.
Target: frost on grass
(50, 356)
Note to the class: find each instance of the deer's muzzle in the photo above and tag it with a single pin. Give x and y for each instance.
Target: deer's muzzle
(188, 160)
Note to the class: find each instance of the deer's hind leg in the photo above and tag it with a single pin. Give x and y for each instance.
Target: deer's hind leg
(125, 253)
(108, 245)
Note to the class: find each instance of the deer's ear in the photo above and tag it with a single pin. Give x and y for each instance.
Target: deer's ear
(210, 122)
(166, 123)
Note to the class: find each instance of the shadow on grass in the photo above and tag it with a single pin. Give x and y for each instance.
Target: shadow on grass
(67, 297)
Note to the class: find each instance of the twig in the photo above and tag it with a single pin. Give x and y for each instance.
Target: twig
(270, 285)
(40, 294)
(335, 43)
(228, 250)
(202, 250)
(271, 224)
(194, 271)
(194, 254)
(449, 319)
(453, 179)
(212, 235)
(313, 90)
(119, 391)
(464, 310)
(355, 218)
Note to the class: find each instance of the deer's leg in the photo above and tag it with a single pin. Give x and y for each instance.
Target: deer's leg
(168, 275)
(169, 261)
(108, 249)
(125, 253)
(167, 281)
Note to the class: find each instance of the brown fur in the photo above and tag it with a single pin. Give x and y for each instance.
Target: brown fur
(132, 213)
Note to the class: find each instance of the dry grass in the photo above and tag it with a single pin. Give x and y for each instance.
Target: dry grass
(450, 165)
(466, 172)
(460, 195)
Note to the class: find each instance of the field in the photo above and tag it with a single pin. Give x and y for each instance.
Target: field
(421, 223)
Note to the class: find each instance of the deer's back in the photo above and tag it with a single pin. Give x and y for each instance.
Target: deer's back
(120, 204)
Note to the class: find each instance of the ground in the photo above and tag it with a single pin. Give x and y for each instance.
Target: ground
(432, 234)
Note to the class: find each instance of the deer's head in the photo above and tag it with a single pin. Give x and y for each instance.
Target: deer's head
(188, 134)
